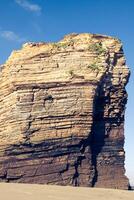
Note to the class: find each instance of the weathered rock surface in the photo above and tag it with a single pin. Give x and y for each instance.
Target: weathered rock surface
(62, 113)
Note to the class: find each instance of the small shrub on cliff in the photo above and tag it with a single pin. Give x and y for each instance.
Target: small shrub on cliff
(71, 72)
(93, 66)
(62, 45)
(97, 47)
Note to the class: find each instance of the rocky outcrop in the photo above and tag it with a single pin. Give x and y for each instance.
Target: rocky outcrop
(62, 113)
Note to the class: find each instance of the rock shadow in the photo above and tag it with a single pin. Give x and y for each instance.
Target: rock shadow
(98, 130)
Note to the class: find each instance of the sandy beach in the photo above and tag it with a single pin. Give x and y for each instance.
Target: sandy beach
(10, 191)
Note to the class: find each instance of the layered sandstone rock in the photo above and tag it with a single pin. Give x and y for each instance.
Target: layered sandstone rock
(62, 113)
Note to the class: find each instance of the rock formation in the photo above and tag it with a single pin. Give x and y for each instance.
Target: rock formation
(62, 113)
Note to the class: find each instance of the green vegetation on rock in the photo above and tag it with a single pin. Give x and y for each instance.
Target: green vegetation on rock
(63, 45)
(93, 66)
(97, 47)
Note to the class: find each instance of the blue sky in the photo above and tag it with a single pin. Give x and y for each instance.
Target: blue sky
(50, 20)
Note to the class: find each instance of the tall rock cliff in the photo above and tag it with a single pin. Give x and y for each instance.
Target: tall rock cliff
(62, 113)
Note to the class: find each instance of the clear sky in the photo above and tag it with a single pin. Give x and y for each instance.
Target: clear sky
(50, 20)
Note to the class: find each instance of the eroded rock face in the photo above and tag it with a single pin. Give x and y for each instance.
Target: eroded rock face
(62, 113)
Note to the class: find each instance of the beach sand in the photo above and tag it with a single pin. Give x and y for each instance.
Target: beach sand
(11, 191)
